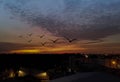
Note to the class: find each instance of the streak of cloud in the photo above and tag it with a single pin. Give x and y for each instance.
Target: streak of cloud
(94, 42)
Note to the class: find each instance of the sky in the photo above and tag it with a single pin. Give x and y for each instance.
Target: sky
(76, 26)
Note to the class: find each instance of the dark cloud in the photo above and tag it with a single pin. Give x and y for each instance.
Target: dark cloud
(85, 20)
(6, 47)
(72, 5)
(103, 46)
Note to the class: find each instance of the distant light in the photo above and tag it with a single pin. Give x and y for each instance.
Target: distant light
(69, 70)
(114, 62)
(11, 74)
(118, 66)
(86, 56)
(43, 76)
(21, 73)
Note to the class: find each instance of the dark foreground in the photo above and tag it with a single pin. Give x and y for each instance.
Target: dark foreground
(66, 67)
(89, 77)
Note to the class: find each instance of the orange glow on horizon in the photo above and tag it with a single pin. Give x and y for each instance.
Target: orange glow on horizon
(63, 49)
(59, 49)
(26, 51)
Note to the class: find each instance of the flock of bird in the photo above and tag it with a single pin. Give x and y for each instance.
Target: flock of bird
(42, 36)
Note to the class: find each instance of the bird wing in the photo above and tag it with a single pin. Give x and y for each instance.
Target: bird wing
(43, 43)
(73, 39)
(42, 36)
(56, 40)
(30, 41)
(67, 38)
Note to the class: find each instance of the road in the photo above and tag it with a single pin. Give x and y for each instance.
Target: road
(89, 77)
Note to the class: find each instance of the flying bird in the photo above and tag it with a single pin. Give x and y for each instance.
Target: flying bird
(71, 40)
(30, 34)
(43, 44)
(54, 41)
(41, 36)
(20, 36)
(29, 41)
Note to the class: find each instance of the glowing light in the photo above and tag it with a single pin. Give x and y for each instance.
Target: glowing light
(26, 51)
(21, 73)
(113, 62)
(118, 66)
(86, 56)
(11, 74)
(58, 49)
(43, 76)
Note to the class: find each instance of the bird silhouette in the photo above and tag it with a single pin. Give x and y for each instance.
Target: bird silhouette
(54, 41)
(29, 41)
(41, 36)
(20, 36)
(30, 34)
(71, 40)
(43, 44)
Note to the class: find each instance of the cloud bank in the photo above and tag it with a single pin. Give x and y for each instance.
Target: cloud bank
(82, 19)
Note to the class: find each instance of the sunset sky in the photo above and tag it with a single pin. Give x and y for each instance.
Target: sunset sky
(29, 26)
